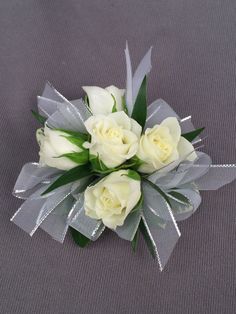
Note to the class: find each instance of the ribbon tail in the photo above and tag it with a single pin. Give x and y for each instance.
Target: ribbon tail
(158, 225)
(56, 224)
(161, 234)
(216, 177)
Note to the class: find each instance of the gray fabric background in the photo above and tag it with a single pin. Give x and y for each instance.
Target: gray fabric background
(73, 43)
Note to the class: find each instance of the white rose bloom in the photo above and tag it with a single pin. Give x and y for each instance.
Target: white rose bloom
(54, 144)
(163, 144)
(112, 198)
(101, 100)
(114, 138)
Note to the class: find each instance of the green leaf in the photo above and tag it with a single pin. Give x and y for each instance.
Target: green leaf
(79, 158)
(134, 242)
(147, 238)
(79, 238)
(136, 162)
(74, 134)
(140, 107)
(124, 107)
(98, 164)
(86, 100)
(180, 197)
(155, 187)
(114, 108)
(76, 141)
(190, 136)
(41, 119)
(72, 175)
(133, 175)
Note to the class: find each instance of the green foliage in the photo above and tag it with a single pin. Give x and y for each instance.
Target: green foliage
(41, 119)
(179, 197)
(140, 106)
(133, 175)
(190, 136)
(79, 238)
(69, 176)
(147, 238)
(124, 107)
(98, 165)
(114, 108)
(74, 134)
(134, 242)
(80, 158)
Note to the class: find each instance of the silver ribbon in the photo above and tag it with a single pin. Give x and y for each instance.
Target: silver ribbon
(133, 83)
(63, 207)
(57, 210)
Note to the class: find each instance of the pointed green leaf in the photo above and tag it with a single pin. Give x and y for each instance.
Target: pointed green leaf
(147, 238)
(134, 242)
(133, 175)
(98, 165)
(86, 100)
(179, 197)
(69, 176)
(79, 158)
(76, 141)
(79, 238)
(75, 134)
(124, 107)
(41, 119)
(136, 162)
(140, 107)
(190, 136)
(114, 108)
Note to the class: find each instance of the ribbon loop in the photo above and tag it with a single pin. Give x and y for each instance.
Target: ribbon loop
(36, 209)
(30, 177)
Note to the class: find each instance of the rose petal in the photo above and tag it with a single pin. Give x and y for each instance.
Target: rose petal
(100, 100)
(173, 125)
(118, 94)
(186, 150)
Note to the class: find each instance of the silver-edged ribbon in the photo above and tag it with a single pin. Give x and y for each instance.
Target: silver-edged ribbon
(63, 207)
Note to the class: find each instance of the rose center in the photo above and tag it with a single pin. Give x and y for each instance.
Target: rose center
(109, 200)
(164, 147)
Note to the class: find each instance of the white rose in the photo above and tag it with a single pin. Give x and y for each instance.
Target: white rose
(54, 144)
(163, 144)
(112, 198)
(102, 100)
(114, 138)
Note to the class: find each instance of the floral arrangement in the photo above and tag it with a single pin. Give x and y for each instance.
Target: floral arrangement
(111, 161)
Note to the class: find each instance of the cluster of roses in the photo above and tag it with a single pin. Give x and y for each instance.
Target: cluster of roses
(123, 151)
